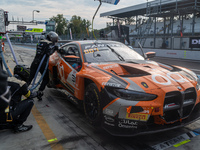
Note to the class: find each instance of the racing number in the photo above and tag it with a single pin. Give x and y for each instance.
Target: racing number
(87, 51)
(73, 78)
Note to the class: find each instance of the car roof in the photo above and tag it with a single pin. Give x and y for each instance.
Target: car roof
(92, 42)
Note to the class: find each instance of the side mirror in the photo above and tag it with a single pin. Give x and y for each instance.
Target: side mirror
(72, 59)
(150, 54)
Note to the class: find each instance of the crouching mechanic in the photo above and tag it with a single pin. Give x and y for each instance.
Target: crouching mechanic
(4, 91)
(18, 110)
(45, 47)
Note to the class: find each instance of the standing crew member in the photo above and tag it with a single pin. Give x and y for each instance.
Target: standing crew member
(44, 47)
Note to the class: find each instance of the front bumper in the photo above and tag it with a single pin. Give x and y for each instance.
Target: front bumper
(126, 127)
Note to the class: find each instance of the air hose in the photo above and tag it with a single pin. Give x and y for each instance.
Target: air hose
(38, 69)
(11, 48)
(4, 62)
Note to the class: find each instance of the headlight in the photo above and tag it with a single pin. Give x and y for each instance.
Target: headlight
(133, 95)
(190, 73)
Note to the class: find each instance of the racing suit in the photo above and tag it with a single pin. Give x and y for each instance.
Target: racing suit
(4, 90)
(44, 47)
(18, 110)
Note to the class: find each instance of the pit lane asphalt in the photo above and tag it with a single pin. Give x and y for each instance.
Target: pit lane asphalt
(58, 124)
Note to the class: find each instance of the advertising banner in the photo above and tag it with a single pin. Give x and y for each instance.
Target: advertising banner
(2, 22)
(194, 42)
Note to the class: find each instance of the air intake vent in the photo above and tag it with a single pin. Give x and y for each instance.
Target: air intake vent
(178, 105)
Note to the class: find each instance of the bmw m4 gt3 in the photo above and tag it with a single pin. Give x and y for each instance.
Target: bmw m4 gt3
(124, 92)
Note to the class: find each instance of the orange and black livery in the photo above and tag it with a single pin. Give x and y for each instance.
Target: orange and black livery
(122, 91)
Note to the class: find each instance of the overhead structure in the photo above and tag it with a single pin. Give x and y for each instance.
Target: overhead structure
(166, 9)
(157, 8)
(115, 2)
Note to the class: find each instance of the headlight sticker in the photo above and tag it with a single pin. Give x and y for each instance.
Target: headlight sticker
(145, 85)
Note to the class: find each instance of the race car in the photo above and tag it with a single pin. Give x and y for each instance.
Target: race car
(124, 92)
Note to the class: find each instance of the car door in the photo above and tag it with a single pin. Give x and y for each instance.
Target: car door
(66, 71)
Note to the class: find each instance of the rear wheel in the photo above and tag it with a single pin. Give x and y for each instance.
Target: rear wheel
(92, 104)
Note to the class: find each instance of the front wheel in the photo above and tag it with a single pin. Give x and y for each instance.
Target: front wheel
(92, 104)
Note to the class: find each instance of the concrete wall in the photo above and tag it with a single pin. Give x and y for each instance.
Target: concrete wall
(182, 54)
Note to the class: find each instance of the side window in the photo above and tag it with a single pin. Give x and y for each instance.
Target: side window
(71, 50)
(72, 56)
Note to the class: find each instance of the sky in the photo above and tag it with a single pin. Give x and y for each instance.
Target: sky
(23, 9)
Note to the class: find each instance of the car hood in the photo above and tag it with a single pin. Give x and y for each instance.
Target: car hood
(147, 75)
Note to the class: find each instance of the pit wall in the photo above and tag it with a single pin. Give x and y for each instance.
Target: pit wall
(181, 54)
(175, 43)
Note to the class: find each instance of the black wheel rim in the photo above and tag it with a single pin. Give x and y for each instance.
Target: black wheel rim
(91, 105)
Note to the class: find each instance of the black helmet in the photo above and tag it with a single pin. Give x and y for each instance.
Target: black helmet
(22, 72)
(52, 36)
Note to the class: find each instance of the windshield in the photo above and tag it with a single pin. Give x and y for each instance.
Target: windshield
(109, 53)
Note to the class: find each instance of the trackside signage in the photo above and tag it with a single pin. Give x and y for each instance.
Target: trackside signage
(194, 42)
(2, 21)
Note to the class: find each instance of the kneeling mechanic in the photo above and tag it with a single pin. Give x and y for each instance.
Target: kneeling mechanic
(18, 110)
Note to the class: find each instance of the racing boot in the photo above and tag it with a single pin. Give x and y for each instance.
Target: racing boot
(39, 95)
(22, 128)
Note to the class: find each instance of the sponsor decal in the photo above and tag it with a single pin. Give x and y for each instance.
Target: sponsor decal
(91, 50)
(137, 116)
(180, 78)
(176, 141)
(127, 124)
(167, 81)
(108, 111)
(144, 84)
(172, 53)
(169, 105)
(73, 99)
(111, 84)
(109, 119)
(170, 77)
(110, 124)
(110, 67)
(101, 45)
(145, 112)
(71, 79)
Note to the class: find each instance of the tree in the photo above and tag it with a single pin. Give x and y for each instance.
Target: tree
(78, 25)
(61, 24)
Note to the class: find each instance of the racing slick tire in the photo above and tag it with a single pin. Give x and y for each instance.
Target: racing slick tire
(92, 105)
